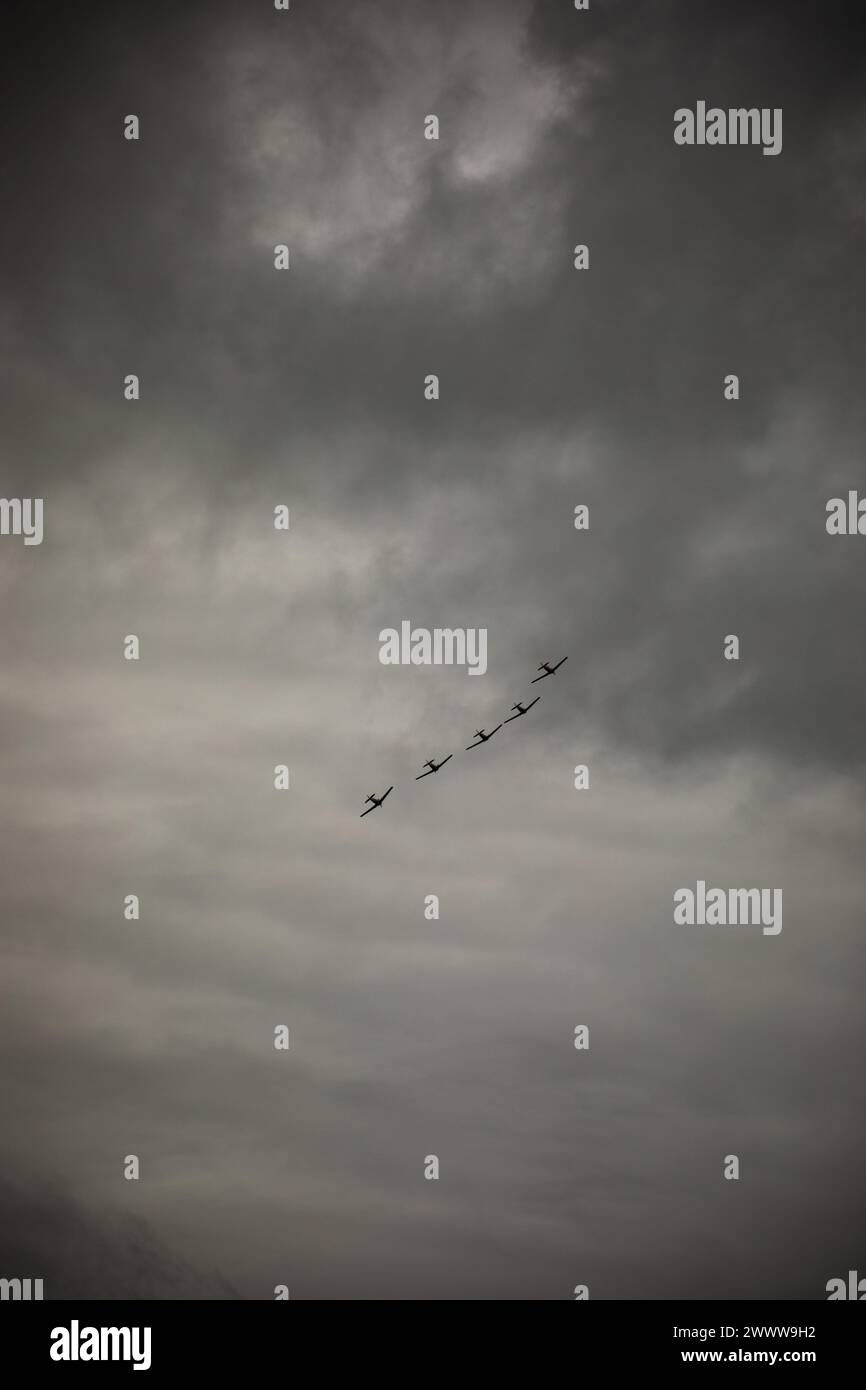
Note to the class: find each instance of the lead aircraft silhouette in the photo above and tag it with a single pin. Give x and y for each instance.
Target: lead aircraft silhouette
(433, 766)
(548, 670)
(482, 737)
(377, 802)
(521, 709)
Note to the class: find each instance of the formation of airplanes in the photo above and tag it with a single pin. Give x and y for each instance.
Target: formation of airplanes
(480, 736)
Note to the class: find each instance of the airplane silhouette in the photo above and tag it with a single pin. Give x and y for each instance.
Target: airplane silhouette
(377, 801)
(482, 737)
(522, 709)
(434, 766)
(548, 670)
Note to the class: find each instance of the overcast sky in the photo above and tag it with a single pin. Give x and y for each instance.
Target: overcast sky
(412, 1037)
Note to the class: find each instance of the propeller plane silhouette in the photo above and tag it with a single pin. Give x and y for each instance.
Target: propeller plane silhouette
(433, 766)
(377, 802)
(482, 737)
(548, 670)
(521, 709)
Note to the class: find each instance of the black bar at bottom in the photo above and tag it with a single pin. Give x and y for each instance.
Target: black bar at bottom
(296, 1338)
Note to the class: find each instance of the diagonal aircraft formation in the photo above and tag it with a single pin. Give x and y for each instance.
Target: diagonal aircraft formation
(480, 736)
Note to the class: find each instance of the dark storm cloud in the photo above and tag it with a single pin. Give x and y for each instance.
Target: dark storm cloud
(93, 1254)
(411, 257)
